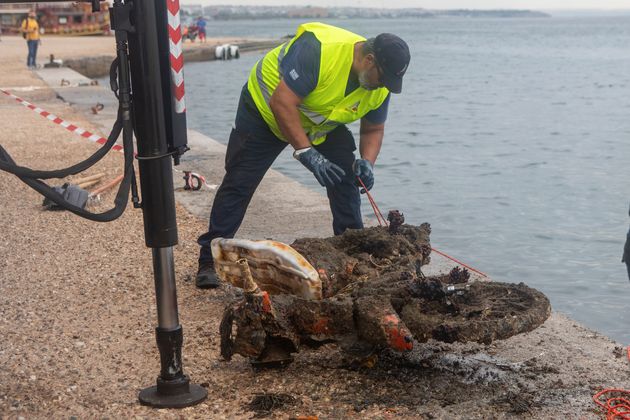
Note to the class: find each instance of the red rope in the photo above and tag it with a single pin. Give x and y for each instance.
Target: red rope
(617, 406)
(459, 262)
(379, 217)
(377, 211)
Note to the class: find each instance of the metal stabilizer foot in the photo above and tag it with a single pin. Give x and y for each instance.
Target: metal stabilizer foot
(177, 393)
(173, 389)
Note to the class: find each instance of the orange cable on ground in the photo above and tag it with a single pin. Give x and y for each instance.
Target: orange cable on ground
(107, 186)
(618, 406)
(379, 216)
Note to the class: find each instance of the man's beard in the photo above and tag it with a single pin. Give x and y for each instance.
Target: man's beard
(364, 82)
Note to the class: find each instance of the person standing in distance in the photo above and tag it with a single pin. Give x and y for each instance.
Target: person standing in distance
(30, 32)
(201, 25)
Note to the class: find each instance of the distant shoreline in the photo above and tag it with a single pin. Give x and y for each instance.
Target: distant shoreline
(287, 12)
(501, 13)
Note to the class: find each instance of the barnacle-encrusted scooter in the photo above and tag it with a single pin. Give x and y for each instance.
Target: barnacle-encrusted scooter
(363, 289)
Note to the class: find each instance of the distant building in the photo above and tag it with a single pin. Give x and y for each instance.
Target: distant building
(11, 16)
(64, 18)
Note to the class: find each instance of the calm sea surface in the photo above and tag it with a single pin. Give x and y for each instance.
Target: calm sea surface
(511, 137)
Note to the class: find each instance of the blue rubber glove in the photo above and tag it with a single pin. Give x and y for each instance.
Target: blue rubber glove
(327, 173)
(364, 170)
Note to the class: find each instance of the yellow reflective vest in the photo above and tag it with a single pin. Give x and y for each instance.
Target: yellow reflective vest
(327, 106)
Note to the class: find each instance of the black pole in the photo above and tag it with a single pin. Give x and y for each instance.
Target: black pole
(153, 108)
(160, 136)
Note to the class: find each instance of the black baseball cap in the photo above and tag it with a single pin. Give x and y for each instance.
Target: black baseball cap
(392, 56)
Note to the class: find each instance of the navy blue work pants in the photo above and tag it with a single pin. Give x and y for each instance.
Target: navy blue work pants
(251, 150)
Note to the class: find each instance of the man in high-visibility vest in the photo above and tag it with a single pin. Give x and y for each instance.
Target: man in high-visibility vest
(30, 31)
(303, 93)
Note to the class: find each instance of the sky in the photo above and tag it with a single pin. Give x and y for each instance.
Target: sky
(436, 4)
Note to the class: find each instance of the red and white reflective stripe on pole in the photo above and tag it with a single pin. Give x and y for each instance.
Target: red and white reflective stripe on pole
(80, 131)
(65, 124)
(176, 55)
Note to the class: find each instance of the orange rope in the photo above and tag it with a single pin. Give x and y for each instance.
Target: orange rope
(617, 406)
(458, 262)
(379, 216)
(377, 211)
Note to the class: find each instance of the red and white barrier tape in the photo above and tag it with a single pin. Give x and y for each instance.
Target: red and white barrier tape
(65, 124)
(176, 55)
(77, 130)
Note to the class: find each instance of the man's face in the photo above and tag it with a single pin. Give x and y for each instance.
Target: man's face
(31, 15)
(370, 77)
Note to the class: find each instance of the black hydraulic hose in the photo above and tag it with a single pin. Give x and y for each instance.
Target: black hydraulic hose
(122, 196)
(7, 164)
(113, 77)
(119, 69)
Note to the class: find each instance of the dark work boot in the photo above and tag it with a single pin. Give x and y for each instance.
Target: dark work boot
(206, 276)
